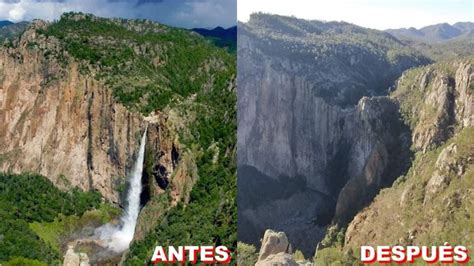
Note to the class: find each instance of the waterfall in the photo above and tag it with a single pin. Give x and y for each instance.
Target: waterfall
(118, 237)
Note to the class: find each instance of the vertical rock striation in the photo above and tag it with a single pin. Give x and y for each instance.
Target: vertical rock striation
(315, 142)
(61, 123)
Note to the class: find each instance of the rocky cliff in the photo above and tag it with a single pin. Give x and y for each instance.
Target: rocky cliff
(433, 202)
(76, 95)
(436, 101)
(68, 115)
(60, 123)
(68, 126)
(314, 141)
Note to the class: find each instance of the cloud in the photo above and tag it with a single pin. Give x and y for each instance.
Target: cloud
(180, 13)
(16, 13)
(148, 1)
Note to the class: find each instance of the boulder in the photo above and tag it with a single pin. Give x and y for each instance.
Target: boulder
(273, 243)
(280, 259)
(71, 258)
(274, 250)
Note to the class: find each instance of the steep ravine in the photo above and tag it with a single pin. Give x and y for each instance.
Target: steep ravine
(312, 126)
(433, 202)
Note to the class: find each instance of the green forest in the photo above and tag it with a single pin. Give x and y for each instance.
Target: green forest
(148, 68)
(38, 200)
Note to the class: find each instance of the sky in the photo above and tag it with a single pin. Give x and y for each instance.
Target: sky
(376, 14)
(179, 13)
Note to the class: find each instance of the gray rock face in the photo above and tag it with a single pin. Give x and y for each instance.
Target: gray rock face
(446, 92)
(310, 146)
(448, 164)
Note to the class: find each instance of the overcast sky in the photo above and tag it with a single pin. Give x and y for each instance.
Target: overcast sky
(377, 14)
(180, 13)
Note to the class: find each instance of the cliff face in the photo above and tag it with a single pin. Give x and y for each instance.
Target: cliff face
(66, 125)
(433, 202)
(437, 101)
(77, 94)
(311, 146)
(169, 173)
(62, 124)
(378, 152)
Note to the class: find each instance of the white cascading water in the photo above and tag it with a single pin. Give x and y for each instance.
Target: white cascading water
(118, 237)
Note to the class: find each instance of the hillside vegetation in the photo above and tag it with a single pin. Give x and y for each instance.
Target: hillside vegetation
(30, 198)
(210, 217)
(146, 64)
(441, 41)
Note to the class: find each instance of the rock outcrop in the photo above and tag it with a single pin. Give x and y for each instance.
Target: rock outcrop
(167, 168)
(273, 243)
(437, 100)
(274, 250)
(428, 205)
(72, 258)
(279, 259)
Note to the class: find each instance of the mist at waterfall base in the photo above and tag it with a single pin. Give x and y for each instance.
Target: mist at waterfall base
(119, 236)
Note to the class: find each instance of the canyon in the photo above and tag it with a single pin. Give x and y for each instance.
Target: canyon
(320, 133)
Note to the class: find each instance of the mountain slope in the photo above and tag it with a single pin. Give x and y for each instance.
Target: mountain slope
(12, 30)
(433, 202)
(435, 33)
(5, 23)
(342, 52)
(221, 37)
(441, 41)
